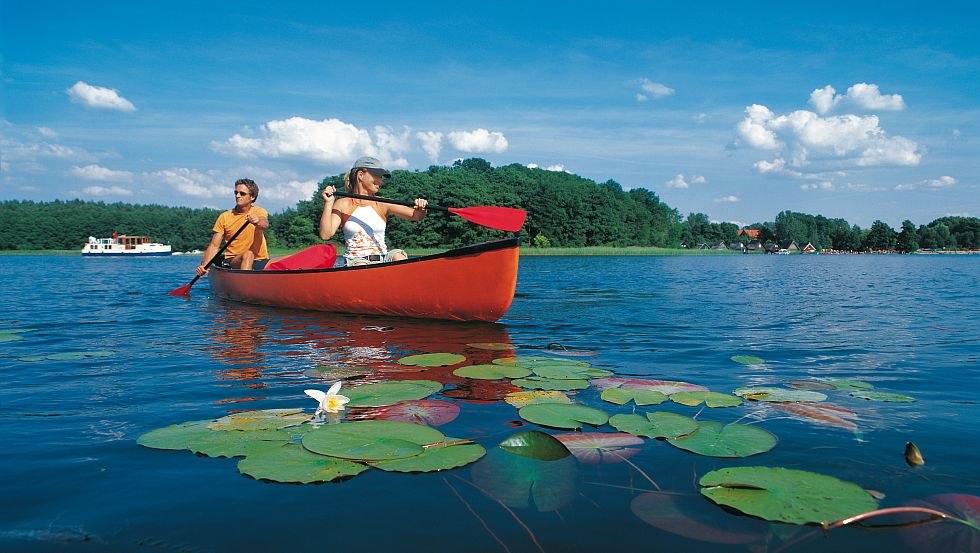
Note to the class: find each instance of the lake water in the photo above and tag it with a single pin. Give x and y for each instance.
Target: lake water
(104, 356)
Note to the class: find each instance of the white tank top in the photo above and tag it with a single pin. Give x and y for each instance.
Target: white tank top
(364, 233)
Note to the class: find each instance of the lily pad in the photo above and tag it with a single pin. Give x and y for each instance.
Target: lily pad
(431, 412)
(714, 439)
(494, 346)
(562, 415)
(660, 424)
(664, 386)
(527, 397)
(294, 463)
(810, 384)
(771, 393)
(338, 373)
(683, 515)
(600, 447)
(522, 482)
(537, 383)
(492, 372)
(964, 536)
(748, 359)
(441, 456)
(883, 396)
(711, 399)
(821, 413)
(786, 495)
(371, 440)
(570, 372)
(432, 359)
(238, 443)
(850, 384)
(268, 419)
(175, 436)
(536, 445)
(622, 396)
(389, 393)
(532, 361)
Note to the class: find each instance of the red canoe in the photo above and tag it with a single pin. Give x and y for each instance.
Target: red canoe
(473, 283)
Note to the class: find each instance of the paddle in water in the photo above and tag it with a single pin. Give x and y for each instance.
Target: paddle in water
(185, 290)
(510, 219)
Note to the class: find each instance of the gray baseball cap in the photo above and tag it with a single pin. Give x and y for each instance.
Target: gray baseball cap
(368, 162)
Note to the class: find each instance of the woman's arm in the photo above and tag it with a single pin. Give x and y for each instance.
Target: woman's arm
(409, 213)
(330, 218)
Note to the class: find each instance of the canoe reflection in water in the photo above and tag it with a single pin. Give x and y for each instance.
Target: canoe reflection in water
(237, 336)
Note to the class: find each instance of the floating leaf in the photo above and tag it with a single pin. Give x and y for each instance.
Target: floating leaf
(432, 359)
(682, 515)
(520, 399)
(531, 361)
(883, 396)
(823, 413)
(389, 393)
(811, 385)
(600, 447)
(492, 372)
(622, 396)
(371, 440)
(536, 445)
(431, 412)
(748, 359)
(786, 495)
(770, 393)
(238, 443)
(711, 399)
(570, 372)
(338, 373)
(714, 439)
(497, 346)
(268, 419)
(537, 383)
(442, 456)
(850, 384)
(175, 436)
(664, 386)
(294, 463)
(521, 482)
(659, 424)
(561, 415)
(964, 536)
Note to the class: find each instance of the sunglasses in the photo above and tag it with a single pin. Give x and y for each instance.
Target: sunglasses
(237, 193)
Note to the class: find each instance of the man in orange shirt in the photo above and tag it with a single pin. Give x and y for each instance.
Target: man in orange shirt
(248, 251)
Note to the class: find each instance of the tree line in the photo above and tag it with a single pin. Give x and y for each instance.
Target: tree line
(564, 210)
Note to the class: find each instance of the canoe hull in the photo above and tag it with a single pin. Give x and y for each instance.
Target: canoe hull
(475, 283)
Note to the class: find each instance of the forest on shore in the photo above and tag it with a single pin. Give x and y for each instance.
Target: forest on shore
(564, 210)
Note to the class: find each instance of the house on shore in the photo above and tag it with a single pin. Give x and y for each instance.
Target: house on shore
(808, 248)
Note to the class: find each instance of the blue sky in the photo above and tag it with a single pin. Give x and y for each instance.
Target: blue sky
(856, 110)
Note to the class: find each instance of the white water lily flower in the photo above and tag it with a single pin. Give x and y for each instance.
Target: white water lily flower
(330, 402)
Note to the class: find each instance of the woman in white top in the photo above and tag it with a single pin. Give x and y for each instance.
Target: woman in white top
(364, 221)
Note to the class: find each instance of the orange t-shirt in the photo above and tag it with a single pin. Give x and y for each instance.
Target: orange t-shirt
(228, 224)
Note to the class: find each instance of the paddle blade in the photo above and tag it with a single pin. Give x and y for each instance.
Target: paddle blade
(184, 290)
(501, 218)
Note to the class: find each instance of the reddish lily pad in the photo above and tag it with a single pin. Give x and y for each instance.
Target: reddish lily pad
(431, 412)
(664, 386)
(600, 447)
(821, 413)
(959, 533)
(684, 516)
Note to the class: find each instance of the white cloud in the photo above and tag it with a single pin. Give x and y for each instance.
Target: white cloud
(99, 97)
(652, 89)
(944, 181)
(19, 151)
(431, 142)
(478, 141)
(95, 172)
(701, 118)
(861, 95)
(289, 192)
(680, 181)
(727, 199)
(193, 183)
(558, 167)
(330, 140)
(825, 186)
(107, 191)
(754, 129)
(47, 132)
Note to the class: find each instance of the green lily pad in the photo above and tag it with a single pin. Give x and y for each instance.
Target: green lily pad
(238, 443)
(522, 482)
(532, 361)
(536, 445)
(711, 399)
(562, 415)
(492, 372)
(622, 396)
(338, 373)
(748, 359)
(714, 439)
(883, 396)
(175, 436)
(436, 457)
(537, 383)
(389, 393)
(432, 359)
(809, 384)
(660, 424)
(371, 440)
(527, 397)
(771, 393)
(850, 384)
(600, 447)
(294, 463)
(570, 372)
(786, 495)
(268, 419)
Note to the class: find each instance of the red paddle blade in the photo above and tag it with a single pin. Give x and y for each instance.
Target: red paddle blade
(501, 218)
(184, 290)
